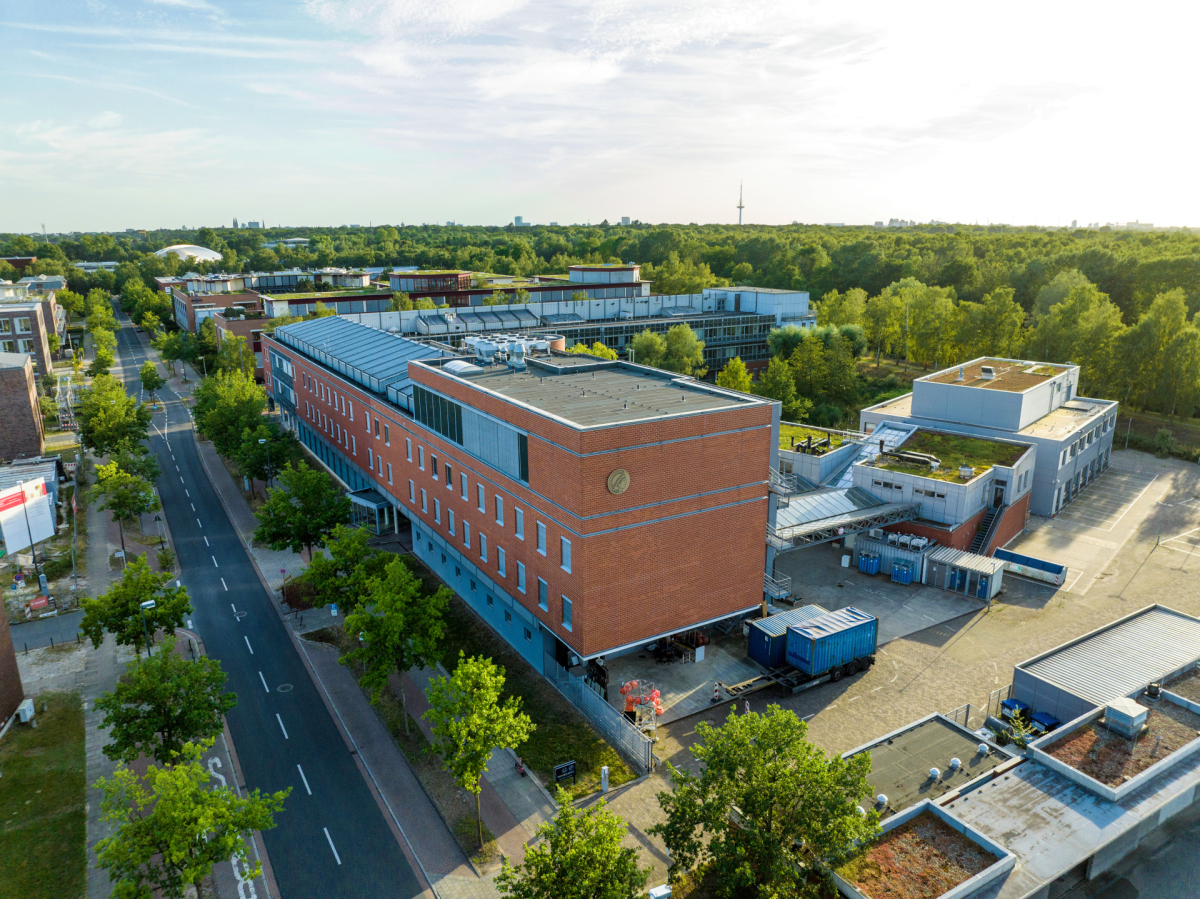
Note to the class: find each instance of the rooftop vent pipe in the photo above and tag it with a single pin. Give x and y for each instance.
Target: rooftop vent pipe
(934, 773)
(987, 372)
(955, 764)
(961, 372)
(982, 748)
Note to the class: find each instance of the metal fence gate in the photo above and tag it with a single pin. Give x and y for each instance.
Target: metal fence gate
(634, 746)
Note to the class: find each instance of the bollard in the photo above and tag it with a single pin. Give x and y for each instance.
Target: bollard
(716, 693)
(51, 642)
(747, 706)
(604, 778)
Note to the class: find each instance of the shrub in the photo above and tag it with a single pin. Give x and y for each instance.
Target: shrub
(166, 559)
(1164, 442)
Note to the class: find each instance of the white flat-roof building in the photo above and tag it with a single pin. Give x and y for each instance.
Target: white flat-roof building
(1029, 402)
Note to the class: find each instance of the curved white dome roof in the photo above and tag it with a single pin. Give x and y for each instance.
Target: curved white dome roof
(191, 251)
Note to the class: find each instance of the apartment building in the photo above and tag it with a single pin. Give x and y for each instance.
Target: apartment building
(581, 507)
(22, 433)
(26, 327)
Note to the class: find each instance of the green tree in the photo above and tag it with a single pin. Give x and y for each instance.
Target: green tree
(1057, 290)
(841, 375)
(320, 310)
(401, 302)
(302, 512)
(676, 276)
(171, 827)
(496, 298)
(119, 611)
(163, 703)
(226, 404)
(123, 494)
(342, 573)
(647, 348)
(768, 812)
(734, 376)
(1177, 392)
(882, 320)
(55, 342)
(842, 309)
(597, 349)
(424, 303)
(171, 347)
(994, 327)
(778, 383)
(683, 352)
(236, 354)
(1084, 329)
(263, 461)
(136, 459)
(399, 625)
(469, 721)
(578, 855)
(152, 381)
(102, 361)
(783, 341)
(152, 324)
(101, 318)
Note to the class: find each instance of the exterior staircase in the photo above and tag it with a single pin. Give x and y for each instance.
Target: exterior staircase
(987, 527)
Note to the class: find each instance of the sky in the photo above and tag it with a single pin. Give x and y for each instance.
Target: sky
(170, 113)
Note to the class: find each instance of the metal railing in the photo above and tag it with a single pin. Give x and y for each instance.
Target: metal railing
(778, 587)
(782, 484)
(631, 743)
(775, 540)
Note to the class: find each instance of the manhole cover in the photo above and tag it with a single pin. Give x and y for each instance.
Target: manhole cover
(240, 615)
(284, 688)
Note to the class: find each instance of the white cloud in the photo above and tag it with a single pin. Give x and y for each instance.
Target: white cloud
(106, 120)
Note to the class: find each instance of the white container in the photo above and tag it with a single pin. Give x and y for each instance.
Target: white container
(846, 561)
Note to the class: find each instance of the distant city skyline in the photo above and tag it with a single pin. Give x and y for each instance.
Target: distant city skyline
(325, 112)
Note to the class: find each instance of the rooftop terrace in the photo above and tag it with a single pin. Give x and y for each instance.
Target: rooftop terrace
(587, 393)
(952, 451)
(1010, 375)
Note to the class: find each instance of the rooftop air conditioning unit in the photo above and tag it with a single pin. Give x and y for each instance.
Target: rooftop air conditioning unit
(875, 533)
(1125, 717)
(966, 472)
(987, 372)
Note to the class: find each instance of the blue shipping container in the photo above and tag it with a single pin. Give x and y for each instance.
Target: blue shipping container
(834, 639)
(767, 642)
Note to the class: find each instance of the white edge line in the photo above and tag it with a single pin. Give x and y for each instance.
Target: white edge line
(248, 646)
(331, 846)
(265, 687)
(282, 728)
(305, 779)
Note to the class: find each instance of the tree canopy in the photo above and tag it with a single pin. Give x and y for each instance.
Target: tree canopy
(302, 511)
(119, 610)
(107, 416)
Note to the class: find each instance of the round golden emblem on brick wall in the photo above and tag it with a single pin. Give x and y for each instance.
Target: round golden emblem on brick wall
(618, 482)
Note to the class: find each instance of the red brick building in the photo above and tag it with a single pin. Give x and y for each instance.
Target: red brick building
(21, 434)
(580, 506)
(11, 690)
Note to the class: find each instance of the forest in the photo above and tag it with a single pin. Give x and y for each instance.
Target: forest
(1121, 304)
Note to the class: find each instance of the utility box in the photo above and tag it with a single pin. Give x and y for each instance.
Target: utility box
(767, 637)
(25, 711)
(832, 641)
(1125, 717)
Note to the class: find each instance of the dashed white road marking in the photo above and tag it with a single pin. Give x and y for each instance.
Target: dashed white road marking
(331, 846)
(215, 565)
(206, 541)
(305, 779)
(264, 680)
(223, 585)
(281, 727)
(248, 646)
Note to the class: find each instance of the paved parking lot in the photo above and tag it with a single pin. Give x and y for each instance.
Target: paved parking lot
(1088, 533)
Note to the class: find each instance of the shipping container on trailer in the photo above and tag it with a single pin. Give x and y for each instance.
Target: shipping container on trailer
(833, 643)
(767, 637)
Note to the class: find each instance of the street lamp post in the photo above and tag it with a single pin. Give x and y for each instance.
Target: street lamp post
(161, 542)
(147, 605)
(263, 442)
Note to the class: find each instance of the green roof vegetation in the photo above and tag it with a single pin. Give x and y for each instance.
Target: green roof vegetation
(322, 294)
(802, 433)
(953, 451)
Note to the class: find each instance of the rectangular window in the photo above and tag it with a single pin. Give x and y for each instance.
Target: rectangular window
(521, 576)
(421, 458)
(499, 510)
(507, 616)
(412, 491)
(528, 635)
(462, 478)
(433, 465)
(500, 562)
(564, 546)
(389, 472)
(482, 494)
(408, 448)
(337, 432)
(438, 414)
(541, 529)
(377, 428)
(367, 420)
(450, 520)
(437, 511)
(523, 457)
(370, 458)
(466, 535)
(387, 434)
(424, 501)
(483, 547)
(566, 619)
(543, 596)
(520, 524)
(352, 410)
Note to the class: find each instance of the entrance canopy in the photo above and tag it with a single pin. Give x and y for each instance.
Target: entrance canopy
(367, 502)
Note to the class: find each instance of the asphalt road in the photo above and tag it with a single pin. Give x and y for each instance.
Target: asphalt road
(334, 841)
